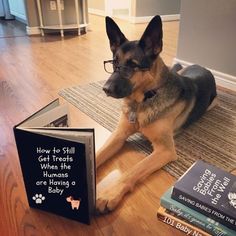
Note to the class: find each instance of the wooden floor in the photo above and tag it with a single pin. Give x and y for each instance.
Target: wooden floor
(32, 71)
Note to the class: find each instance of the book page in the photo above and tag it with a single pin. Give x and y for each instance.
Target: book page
(45, 109)
(56, 117)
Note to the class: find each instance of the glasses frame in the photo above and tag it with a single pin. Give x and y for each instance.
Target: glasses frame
(117, 67)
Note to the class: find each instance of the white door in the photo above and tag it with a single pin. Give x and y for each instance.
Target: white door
(17, 8)
(1, 9)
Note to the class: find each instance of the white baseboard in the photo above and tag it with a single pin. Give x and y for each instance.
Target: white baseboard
(96, 12)
(36, 30)
(146, 19)
(222, 79)
(33, 30)
(173, 17)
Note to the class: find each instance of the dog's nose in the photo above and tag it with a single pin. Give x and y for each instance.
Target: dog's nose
(106, 90)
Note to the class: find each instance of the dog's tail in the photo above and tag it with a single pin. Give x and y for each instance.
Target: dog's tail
(176, 67)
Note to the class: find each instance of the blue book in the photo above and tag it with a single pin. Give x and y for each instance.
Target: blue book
(193, 217)
(210, 191)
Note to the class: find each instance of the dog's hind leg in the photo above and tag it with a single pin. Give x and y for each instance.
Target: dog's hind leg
(176, 68)
(115, 141)
(214, 103)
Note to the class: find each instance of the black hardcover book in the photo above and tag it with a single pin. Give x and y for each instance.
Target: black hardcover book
(209, 190)
(58, 163)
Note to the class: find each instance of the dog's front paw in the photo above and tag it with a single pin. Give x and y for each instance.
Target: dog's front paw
(110, 197)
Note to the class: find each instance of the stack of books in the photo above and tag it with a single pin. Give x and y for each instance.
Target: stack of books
(202, 202)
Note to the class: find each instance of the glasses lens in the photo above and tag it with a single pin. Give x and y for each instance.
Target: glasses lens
(109, 67)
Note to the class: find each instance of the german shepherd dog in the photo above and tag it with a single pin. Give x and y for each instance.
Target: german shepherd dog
(157, 102)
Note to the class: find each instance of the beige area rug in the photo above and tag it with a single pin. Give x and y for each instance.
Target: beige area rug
(212, 138)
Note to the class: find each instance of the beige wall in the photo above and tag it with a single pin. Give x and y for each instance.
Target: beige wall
(207, 34)
(140, 8)
(32, 13)
(97, 4)
(157, 7)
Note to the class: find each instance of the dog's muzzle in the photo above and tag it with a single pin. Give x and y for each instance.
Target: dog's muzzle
(117, 87)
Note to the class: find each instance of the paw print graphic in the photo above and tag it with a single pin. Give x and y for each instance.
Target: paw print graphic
(38, 198)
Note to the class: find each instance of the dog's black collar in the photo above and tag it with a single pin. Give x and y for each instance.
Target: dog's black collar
(132, 113)
(149, 94)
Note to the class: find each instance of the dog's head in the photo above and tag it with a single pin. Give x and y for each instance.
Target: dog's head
(131, 59)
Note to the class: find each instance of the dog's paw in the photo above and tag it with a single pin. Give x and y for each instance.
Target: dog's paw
(110, 197)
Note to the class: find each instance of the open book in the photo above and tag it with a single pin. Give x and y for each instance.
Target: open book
(58, 163)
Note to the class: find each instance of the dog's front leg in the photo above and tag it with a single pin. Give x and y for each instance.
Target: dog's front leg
(115, 141)
(164, 152)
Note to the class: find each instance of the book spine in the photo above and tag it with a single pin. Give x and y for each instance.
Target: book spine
(196, 218)
(90, 162)
(202, 207)
(93, 169)
(181, 226)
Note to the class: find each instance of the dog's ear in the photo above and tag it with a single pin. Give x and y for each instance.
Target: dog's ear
(151, 40)
(114, 34)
